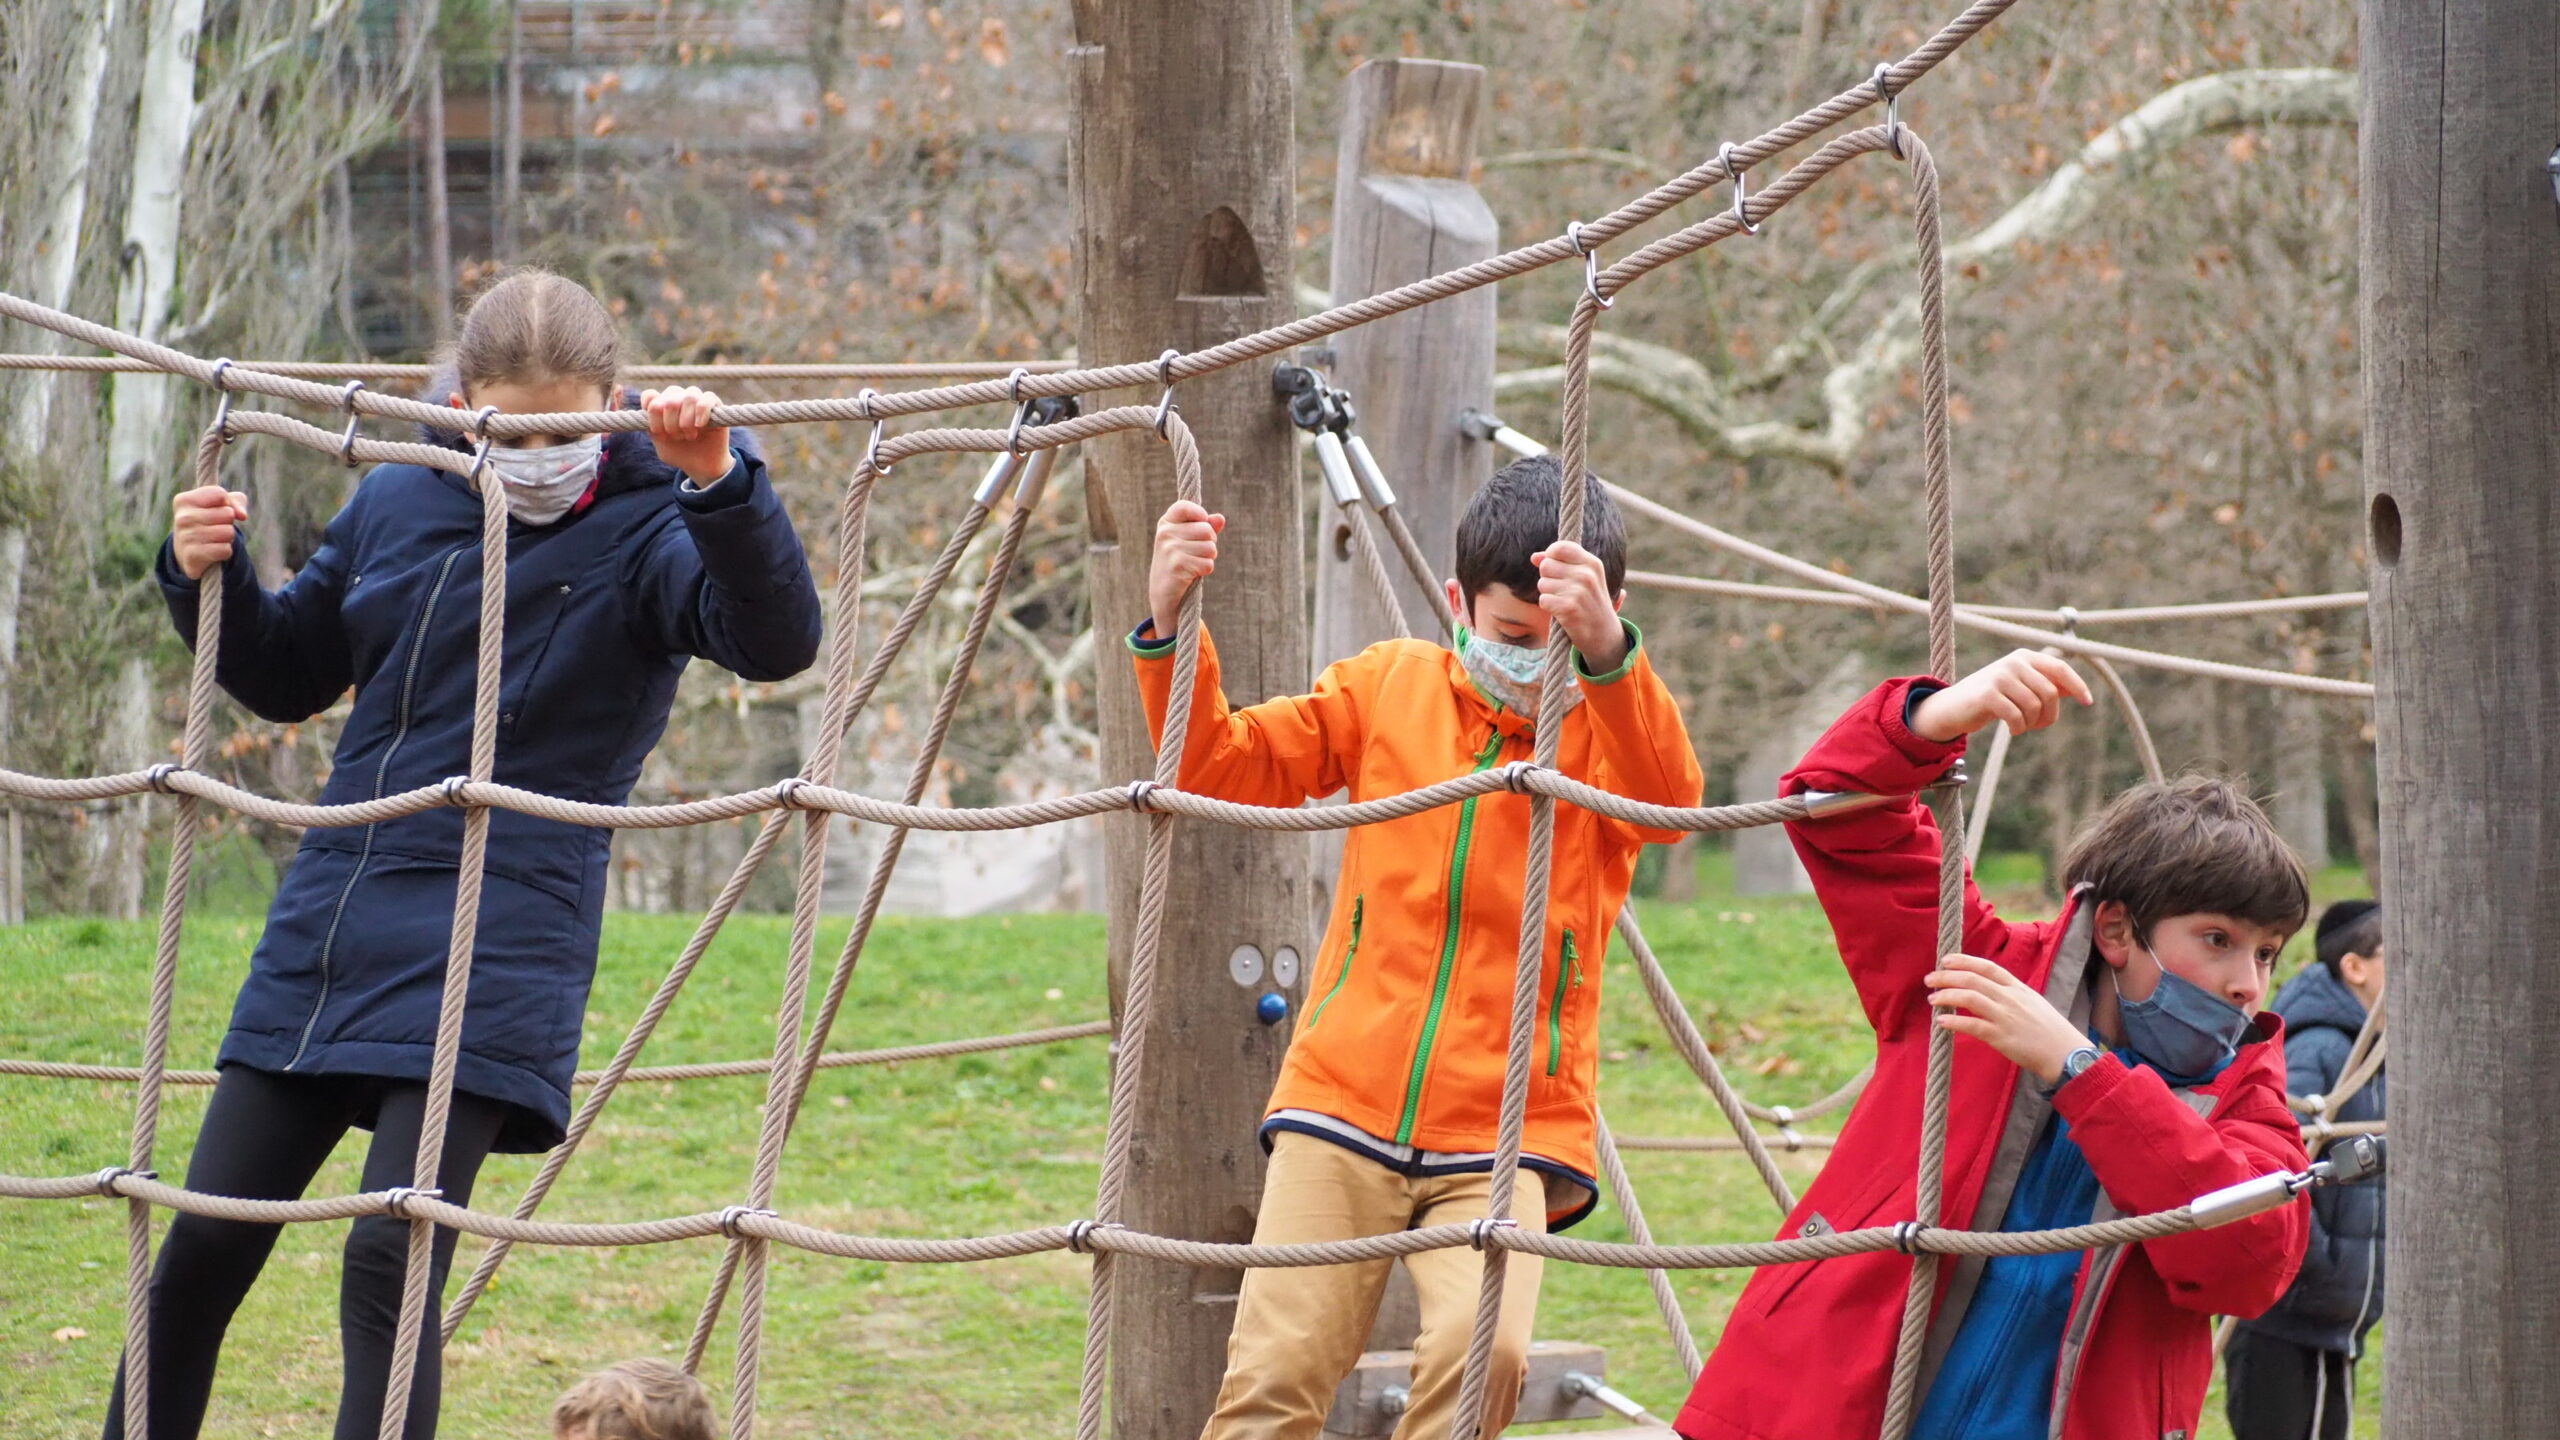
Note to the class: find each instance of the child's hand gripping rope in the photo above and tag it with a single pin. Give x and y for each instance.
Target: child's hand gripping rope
(1186, 550)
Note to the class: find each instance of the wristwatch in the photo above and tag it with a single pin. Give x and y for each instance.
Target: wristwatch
(2073, 1065)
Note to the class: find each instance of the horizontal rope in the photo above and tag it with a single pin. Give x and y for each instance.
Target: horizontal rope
(1141, 796)
(1084, 1236)
(833, 1060)
(741, 370)
(2125, 615)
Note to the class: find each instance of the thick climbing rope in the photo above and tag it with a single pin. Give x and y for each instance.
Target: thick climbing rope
(1622, 1192)
(1844, 600)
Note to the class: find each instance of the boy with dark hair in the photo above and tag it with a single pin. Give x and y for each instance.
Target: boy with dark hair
(1384, 1116)
(2290, 1373)
(2110, 1061)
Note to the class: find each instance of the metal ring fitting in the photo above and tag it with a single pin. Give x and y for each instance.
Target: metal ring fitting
(2070, 620)
(864, 399)
(1142, 796)
(731, 1215)
(1783, 1115)
(479, 460)
(1741, 188)
(786, 791)
(347, 402)
(1165, 407)
(1013, 384)
(222, 412)
(871, 460)
(1590, 266)
(395, 1201)
(452, 788)
(1906, 1236)
(1480, 1230)
(1013, 435)
(480, 420)
(1515, 776)
(1892, 109)
(159, 775)
(1080, 1233)
(106, 1179)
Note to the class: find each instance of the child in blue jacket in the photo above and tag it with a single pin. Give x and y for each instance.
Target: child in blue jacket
(627, 556)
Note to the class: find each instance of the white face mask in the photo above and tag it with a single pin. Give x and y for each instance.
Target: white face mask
(542, 484)
(1511, 674)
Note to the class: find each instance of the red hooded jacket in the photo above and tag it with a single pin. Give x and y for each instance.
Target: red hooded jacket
(1809, 1348)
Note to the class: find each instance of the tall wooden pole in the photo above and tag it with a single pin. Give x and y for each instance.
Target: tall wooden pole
(1181, 166)
(2461, 302)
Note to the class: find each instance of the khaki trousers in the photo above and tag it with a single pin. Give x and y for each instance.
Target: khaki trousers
(1299, 1331)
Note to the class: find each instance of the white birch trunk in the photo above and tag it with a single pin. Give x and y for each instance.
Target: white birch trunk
(58, 263)
(137, 449)
(13, 871)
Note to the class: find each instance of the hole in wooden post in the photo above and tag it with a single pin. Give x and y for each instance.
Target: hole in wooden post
(1222, 259)
(2386, 531)
(1341, 542)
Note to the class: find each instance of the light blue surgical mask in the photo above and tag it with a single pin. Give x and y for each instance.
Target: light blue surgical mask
(1511, 674)
(2184, 1030)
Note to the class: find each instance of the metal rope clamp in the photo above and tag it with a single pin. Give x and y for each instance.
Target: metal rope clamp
(1786, 1120)
(395, 1201)
(1741, 189)
(1906, 1237)
(106, 1179)
(1080, 1233)
(452, 788)
(159, 775)
(347, 402)
(1165, 407)
(1892, 111)
(1480, 1230)
(731, 1215)
(222, 412)
(871, 460)
(786, 791)
(1142, 796)
(1515, 776)
(1590, 264)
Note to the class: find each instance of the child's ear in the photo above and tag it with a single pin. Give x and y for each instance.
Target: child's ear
(1618, 601)
(454, 399)
(2112, 934)
(1457, 600)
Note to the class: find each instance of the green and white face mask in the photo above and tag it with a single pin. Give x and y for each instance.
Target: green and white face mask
(1511, 674)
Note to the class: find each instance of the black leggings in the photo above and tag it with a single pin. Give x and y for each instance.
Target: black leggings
(2276, 1390)
(265, 1136)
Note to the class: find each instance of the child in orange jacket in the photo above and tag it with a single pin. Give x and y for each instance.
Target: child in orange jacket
(1385, 1113)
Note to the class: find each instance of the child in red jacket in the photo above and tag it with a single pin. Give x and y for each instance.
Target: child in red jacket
(2110, 1061)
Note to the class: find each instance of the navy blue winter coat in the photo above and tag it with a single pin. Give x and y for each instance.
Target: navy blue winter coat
(604, 608)
(2338, 1295)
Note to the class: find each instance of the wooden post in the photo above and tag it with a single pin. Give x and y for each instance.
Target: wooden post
(2461, 312)
(1181, 165)
(1403, 209)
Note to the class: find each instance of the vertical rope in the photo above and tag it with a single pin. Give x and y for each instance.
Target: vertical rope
(1381, 584)
(1418, 563)
(164, 973)
(457, 963)
(748, 1255)
(1129, 1064)
(1557, 675)
(1622, 1192)
(1693, 1048)
(1902, 1395)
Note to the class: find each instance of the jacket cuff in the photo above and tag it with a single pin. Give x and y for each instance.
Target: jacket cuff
(174, 581)
(1635, 643)
(1146, 644)
(734, 486)
(1894, 718)
(2084, 1092)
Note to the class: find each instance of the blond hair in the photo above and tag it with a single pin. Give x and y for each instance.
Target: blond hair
(532, 327)
(636, 1400)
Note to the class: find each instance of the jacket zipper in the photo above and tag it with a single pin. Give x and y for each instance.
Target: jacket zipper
(1568, 972)
(1448, 947)
(1358, 904)
(381, 774)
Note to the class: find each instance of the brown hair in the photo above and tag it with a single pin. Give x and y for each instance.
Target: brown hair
(637, 1400)
(2192, 845)
(531, 327)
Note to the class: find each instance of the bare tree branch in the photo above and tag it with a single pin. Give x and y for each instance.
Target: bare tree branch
(1682, 388)
(1579, 155)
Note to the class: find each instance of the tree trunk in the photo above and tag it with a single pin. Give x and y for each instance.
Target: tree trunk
(2461, 311)
(58, 254)
(1180, 163)
(2352, 754)
(2301, 779)
(138, 453)
(439, 206)
(511, 153)
(13, 856)
(123, 834)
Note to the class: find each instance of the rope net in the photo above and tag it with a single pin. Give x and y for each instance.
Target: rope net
(1024, 454)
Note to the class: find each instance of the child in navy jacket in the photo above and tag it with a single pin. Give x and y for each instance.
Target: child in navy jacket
(627, 555)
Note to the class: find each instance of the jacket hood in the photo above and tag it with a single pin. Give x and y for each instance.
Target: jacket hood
(2317, 998)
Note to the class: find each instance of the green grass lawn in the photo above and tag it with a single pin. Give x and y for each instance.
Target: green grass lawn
(969, 1145)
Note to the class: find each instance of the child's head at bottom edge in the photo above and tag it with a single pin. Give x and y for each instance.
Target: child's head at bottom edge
(2189, 878)
(635, 1400)
(1508, 522)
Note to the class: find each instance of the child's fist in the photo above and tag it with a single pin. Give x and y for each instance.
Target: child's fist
(1186, 549)
(681, 429)
(1573, 588)
(200, 533)
(2022, 689)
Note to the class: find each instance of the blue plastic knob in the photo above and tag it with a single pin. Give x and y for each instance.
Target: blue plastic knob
(1271, 1009)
